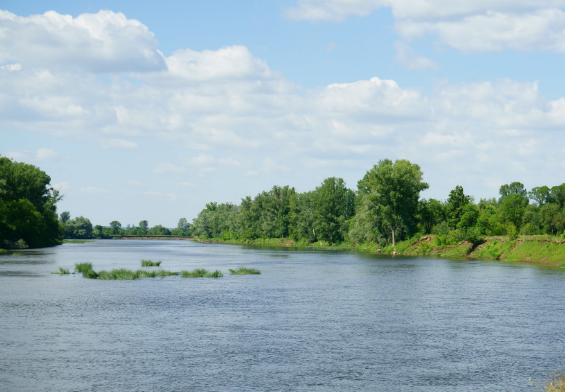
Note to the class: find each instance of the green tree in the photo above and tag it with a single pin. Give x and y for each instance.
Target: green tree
(334, 205)
(79, 227)
(143, 226)
(541, 195)
(116, 227)
(456, 202)
(65, 216)
(515, 188)
(513, 208)
(28, 209)
(394, 189)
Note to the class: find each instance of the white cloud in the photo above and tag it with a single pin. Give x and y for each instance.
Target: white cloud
(165, 167)
(332, 10)
(189, 184)
(202, 159)
(62, 186)
(269, 165)
(466, 25)
(12, 67)
(42, 154)
(92, 189)
(228, 162)
(406, 57)
(101, 42)
(46, 154)
(118, 144)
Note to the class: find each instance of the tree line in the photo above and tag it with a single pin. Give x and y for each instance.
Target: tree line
(81, 228)
(385, 207)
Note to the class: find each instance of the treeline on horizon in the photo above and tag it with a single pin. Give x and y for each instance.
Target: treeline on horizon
(81, 228)
(28, 213)
(385, 207)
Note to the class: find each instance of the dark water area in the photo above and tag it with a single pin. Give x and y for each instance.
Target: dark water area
(312, 321)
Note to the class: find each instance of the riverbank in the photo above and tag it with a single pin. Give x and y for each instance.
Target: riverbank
(542, 250)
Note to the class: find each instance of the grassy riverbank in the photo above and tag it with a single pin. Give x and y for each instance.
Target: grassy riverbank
(543, 250)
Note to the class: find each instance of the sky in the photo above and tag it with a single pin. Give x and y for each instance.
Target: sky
(144, 111)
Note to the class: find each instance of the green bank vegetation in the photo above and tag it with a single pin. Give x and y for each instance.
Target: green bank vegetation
(150, 263)
(386, 213)
(75, 241)
(245, 271)
(201, 273)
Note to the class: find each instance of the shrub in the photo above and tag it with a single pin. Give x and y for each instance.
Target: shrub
(245, 271)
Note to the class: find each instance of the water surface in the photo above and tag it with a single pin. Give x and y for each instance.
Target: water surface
(312, 321)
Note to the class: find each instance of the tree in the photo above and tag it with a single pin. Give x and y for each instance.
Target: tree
(183, 225)
(515, 188)
(513, 209)
(456, 202)
(334, 205)
(394, 189)
(79, 227)
(143, 226)
(65, 216)
(540, 194)
(115, 226)
(28, 209)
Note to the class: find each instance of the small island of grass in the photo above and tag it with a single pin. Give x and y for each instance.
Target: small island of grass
(150, 263)
(245, 271)
(201, 273)
(75, 241)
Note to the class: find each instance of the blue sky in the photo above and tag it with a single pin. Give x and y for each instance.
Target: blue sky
(142, 111)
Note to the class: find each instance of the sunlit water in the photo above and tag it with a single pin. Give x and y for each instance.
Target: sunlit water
(312, 321)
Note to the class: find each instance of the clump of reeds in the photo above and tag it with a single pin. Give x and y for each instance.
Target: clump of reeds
(156, 274)
(557, 383)
(150, 263)
(201, 273)
(245, 271)
(118, 274)
(86, 270)
(18, 254)
(62, 271)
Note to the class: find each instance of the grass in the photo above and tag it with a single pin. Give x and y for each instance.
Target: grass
(557, 383)
(86, 270)
(150, 263)
(62, 271)
(245, 271)
(201, 273)
(18, 254)
(75, 241)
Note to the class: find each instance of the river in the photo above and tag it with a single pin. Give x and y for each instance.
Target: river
(312, 321)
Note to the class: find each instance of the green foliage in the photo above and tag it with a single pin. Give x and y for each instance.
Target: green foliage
(245, 271)
(79, 227)
(393, 190)
(150, 263)
(143, 226)
(456, 203)
(62, 271)
(27, 206)
(65, 216)
(86, 270)
(201, 273)
(115, 227)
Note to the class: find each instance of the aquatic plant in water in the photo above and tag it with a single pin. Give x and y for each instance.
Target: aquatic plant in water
(245, 271)
(62, 271)
(150, 263)
(201, 273)
(86, 270)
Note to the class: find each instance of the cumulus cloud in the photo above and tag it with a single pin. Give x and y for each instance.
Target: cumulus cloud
(466, 25)
(101, 42)
(42, 154)
(62, 186)
(165, 167)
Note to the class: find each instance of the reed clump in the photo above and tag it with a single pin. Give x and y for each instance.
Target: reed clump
(86, 270)
(557, 383)
(150, 263)
(245, 271)
(62, 271)
(201, 273)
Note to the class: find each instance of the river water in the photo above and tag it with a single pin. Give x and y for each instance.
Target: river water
(312, 321)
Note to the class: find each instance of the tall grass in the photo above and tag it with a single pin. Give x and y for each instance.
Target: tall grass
(150, 263)
(557, 383)
(62, 271)
(86, 270)
(201, 273)
(245, 271)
